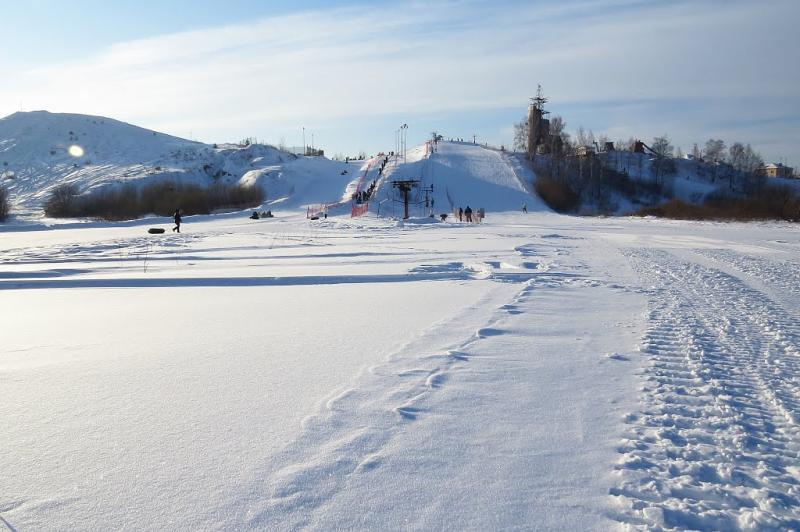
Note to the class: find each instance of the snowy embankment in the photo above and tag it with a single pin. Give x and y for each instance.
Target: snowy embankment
(535, 371)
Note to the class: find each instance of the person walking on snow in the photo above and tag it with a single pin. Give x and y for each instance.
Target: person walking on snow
(177, 218)
(525, 207)
(468, 214)
(460, 214)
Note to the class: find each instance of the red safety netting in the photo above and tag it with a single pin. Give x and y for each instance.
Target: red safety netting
(359, 209)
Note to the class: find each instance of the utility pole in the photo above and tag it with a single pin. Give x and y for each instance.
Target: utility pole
(304, 140)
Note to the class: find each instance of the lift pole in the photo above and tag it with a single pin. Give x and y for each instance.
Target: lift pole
(405, 186)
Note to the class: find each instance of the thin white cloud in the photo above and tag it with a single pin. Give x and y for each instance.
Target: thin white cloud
(423, 58)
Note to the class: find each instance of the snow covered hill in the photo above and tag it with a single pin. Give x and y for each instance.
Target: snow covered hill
(464, 174)
(39, 150)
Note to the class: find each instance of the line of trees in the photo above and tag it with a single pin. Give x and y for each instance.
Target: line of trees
(128, 201)
(740, 157)
(571, 182)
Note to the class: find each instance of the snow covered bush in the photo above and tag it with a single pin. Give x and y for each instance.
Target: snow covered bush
(4, 206)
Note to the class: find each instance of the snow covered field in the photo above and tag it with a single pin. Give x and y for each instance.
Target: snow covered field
(534, 372)
(537, 371)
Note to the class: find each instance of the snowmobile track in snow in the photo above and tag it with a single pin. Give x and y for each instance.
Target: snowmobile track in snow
(717, 442)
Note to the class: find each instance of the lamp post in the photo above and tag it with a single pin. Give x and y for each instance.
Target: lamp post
(404, 137)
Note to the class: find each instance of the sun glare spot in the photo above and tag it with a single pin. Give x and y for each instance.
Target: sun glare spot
(75, 151)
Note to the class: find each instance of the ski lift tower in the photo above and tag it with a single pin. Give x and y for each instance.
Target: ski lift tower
(428, 199)
(405, 186)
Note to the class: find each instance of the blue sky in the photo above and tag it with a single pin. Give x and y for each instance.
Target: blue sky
(351, 72)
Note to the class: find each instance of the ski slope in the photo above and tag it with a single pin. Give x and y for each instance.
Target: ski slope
(465, 174)
(534, 372)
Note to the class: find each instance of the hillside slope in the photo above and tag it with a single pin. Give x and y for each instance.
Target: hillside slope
(464, 174)
(40, 150)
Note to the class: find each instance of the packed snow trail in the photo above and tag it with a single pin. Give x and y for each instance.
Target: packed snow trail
(717, 445)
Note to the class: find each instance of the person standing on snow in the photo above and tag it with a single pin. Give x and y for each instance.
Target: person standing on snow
(524, 207)
(460, 214)
(468, 214)
(177, 218)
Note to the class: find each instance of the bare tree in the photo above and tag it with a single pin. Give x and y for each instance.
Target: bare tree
(664, 164)
(715, 150)
(753, 162)
(521, 135)
(662, 146)
(557, 125)
(747, 164)
(558, 131)
(736, 156)
(580, 137)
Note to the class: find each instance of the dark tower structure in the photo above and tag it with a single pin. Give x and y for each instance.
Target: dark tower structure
(538, 125)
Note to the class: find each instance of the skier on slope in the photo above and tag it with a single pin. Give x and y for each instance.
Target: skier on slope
(177, 218)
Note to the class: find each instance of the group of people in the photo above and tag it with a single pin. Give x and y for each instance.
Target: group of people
(383, 165)
(362, 196)
(264, 214)
(466, 215)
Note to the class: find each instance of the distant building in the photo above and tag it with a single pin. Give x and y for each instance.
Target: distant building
(778, 170)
